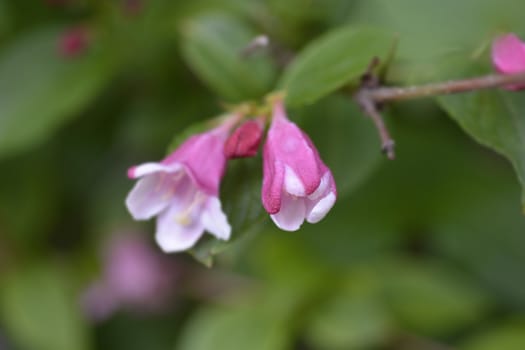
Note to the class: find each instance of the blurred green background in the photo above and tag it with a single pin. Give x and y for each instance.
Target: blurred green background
(425, 252)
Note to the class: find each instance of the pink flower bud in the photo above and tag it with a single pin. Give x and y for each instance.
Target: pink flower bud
(244, 141)
(508, 56)
(297, 185)
(74, 42)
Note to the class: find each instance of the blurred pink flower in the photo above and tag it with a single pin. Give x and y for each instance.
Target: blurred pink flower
(134, 276)
(508, 56)
(297, 185)
(74, 42)
(182, 191)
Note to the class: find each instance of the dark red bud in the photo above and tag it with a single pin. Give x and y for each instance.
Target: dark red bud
(74, 42)
(244, 141)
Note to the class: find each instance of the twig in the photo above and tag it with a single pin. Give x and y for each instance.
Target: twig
(257, 43)
(371, 95)
(384, 94)
(370, 82)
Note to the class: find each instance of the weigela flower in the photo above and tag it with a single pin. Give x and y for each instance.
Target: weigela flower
(134, 275)
(182, 191)
(508, 56)
(297, 185)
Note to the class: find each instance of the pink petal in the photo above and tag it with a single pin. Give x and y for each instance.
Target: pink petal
(203, 156)
(291, 215)
(273, 179)
(508, 54)
(214, 219)
(151, 195)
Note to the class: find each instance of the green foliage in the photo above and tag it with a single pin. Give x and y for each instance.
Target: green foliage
(509, 335)
(39, 90)
(39, 310)
(212, 46)
(422, 252)
(494, 119)
(337, 58)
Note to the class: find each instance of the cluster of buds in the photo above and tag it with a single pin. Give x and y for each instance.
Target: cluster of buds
(182, 190)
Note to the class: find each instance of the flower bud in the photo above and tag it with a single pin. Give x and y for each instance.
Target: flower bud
(244, 141)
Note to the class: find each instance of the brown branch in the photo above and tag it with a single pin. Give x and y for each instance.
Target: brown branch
(384, 94)
(371, 95)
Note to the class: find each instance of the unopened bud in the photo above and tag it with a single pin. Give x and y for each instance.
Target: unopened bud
(244, 141)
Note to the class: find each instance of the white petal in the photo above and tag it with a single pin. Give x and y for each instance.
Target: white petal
(323, 186)
(214, 220)
(149, 168)
(291, 215)
(321, 208)
(150, 196)
(292, 184)
(174, 234)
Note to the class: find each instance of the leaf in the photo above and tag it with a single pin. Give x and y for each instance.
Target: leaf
(39, 311)
(494, 118)
(241, 199)
(259, 324)
(508, 336)
(39, 90)
(336, 59)
(346, 140)
(212, 45)
(431, 298)
(353, 318)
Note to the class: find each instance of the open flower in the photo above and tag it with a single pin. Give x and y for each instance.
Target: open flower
(508, 56)
(134, 276)
(297, 185)
(182, 191)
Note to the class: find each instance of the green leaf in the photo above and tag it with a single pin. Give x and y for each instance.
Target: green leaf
(337, 58)
(508, 336)
(431, 298)
(39, 311)
(212, 45)
(353, 318)
(494, 118)
(241, 199)
(257, 325)
(40, 90)
(346, 140)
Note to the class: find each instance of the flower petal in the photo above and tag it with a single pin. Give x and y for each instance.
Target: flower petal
(321, 208)
(291, 215)
(176, 233)
(508, 54)
(150, 168)
(214, 220)
(151, 195)
(292, 183)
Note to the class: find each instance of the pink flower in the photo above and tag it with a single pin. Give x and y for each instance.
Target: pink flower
(297, 185)
(134, 276)
(182, 191)
(74, 42)
(508, 56)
